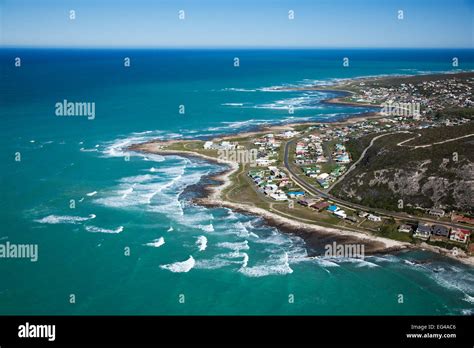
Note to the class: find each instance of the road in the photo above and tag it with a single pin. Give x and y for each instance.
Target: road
(361, 157)
(429, 145)
(318, 192)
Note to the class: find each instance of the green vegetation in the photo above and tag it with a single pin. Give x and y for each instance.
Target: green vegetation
(423, 176)
(455, 113)
(390, 230)
(356, 146)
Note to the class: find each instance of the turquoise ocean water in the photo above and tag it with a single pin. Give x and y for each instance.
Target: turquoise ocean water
(221, 261)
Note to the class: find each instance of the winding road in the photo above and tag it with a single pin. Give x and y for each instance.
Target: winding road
(361, 157)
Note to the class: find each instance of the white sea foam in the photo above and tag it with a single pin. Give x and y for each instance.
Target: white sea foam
(171, 229)
(137, 179)
(239, 90)
(64, 219)
(358, 262)
(232, 104)
(126, 192)
(214, 263)
(459, 281)
(231, 214)
(241, 229)
(274, 88)
(275, 238)
(325, 262)
(236, 125)
(156, 242)
(468, 298)
(180, 267)
(276, 266)
(385, 258)
(96, 229)
(207, 228)
(307, 101)
(82, 149)
(141, 190)
(201, 242)
(236, 246)
(117, 147)
(245, 261)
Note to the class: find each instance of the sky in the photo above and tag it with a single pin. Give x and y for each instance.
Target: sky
(237, 23)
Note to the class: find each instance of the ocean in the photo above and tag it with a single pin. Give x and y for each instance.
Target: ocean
(119, 236)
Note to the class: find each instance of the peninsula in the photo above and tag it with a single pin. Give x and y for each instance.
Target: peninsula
(398, 178)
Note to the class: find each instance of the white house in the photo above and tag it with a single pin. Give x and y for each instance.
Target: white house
(374, 218)
(340, 214)
(323, 176)
(279, 196)
(208, 145)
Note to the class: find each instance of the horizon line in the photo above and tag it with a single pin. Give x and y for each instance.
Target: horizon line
(230, 47)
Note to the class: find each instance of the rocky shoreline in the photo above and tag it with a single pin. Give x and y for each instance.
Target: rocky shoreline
(316, 236)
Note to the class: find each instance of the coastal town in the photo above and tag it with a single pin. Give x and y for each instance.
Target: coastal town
(291, 170)
(415, 95)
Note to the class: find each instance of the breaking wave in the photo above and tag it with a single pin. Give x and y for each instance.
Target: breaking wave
(276, 266)
(64, 219)
(201, 242)
(96, 229)
(180, 267)
(156, 242)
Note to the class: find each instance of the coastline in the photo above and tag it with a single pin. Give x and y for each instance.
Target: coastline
(213, 198)
(313, 234)
(350, 119)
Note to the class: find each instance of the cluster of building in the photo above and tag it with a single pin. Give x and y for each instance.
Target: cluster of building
(319, 204)
(309, 150)
(370, 216)
(223, 145)
(309, 154)
(267, 147)
(430, 95)
(325, 179)
(436, 232)
(340, 155)
(274, 183)
(288, 134)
